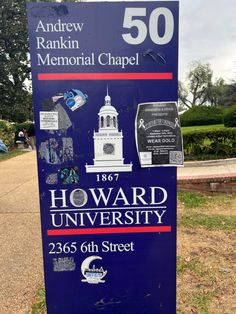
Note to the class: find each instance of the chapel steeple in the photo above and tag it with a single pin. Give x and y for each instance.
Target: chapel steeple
(108, 142)
(108, 115)
(107, 99)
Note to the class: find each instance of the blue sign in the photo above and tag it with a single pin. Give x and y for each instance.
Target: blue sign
(108, 223)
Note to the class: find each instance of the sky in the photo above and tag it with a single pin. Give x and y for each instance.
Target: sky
(208, 34)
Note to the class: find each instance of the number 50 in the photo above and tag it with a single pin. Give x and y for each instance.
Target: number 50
(155, 36)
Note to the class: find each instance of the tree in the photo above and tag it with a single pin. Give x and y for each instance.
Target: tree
(199, 85)
(223, 94)
(231, 94)
(16, 103)
(217, 92)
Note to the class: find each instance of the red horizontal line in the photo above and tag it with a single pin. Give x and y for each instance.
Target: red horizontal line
(104, 76)
(56, 232)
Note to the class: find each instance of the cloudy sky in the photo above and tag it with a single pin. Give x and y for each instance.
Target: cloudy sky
(208, 34)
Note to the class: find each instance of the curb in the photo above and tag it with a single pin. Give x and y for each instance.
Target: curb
(208, 178)
(209, 163)
(221, 183)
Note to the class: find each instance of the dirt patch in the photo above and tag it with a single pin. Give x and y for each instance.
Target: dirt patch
(180, 207)
(224, 206)
(210, 273)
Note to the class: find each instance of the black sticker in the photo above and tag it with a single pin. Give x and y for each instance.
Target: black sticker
(158, 135)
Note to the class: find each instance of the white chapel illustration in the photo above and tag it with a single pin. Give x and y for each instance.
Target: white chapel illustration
(108, 142)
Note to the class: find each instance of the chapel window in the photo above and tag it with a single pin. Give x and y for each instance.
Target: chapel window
(108, 121)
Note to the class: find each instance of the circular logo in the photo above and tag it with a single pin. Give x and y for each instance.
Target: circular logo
(108, 149)
(79, 198)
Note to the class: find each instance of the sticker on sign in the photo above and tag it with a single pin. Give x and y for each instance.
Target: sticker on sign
(48, 120)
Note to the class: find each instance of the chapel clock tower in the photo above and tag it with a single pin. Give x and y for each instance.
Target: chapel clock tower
(108, 142)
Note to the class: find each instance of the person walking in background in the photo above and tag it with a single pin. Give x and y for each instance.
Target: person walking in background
(23, 137)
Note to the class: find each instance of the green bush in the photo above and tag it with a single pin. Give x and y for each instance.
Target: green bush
(230, 117)
(28, 125)
(202, 115)
(210, 144)
(7, 133)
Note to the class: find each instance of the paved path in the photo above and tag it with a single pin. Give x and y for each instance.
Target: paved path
(201, 169)
(21, 271)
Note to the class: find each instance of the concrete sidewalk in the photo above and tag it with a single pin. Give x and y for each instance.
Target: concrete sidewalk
(210, 168)
(21, 271)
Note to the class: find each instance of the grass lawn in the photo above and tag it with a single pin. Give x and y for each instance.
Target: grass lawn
(10, 154)
(187, 129)
(206, 254)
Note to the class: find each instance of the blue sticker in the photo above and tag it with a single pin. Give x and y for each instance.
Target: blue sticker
(75, 99)
(69, 175)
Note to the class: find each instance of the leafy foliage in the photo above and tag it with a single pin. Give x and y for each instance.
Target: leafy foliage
(230, 117)
(229, 95)
(199, 85)
(210, 144)
(200, 88)
(16, 102)
(7, 133)
(203, 115)
(217, 93)
(222, 94)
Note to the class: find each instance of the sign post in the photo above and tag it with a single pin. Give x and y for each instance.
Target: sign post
(105, 91)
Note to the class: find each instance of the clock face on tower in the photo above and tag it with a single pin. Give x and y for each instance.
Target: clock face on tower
(109, 149)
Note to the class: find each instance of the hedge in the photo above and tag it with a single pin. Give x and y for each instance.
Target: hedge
(230, 117)
(7, 133)
(210, 144)
(202, 115)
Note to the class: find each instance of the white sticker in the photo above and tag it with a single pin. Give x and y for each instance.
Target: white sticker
(146, 158)
(48, 120)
